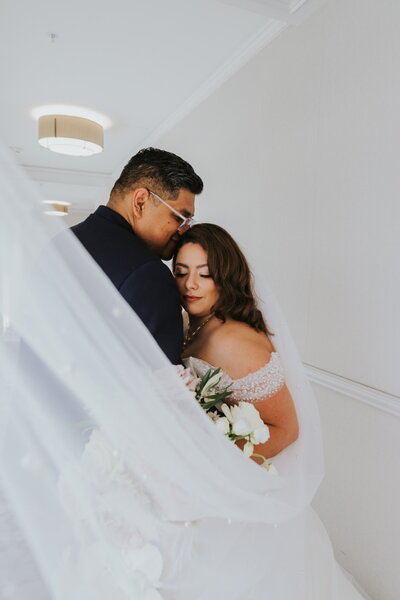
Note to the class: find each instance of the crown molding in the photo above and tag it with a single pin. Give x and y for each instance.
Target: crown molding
(357, 391)
(263, 37)
(296, 5)
(288, 11)
(271, 9)
(300, 10)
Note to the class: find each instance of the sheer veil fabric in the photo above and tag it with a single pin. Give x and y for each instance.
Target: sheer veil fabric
(113, 482)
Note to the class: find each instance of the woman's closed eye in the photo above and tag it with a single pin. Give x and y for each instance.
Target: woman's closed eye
(180, 274)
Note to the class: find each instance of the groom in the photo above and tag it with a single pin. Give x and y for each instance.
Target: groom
(150, 206)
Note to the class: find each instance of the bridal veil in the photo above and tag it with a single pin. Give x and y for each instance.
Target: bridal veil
(113, 481)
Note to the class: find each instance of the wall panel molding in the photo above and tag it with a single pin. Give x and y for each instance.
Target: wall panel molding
(357, 391)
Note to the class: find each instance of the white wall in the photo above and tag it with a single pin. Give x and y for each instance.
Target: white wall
(359, 498)
(299, 152)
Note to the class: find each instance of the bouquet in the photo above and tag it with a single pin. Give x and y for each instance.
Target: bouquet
(240, 421)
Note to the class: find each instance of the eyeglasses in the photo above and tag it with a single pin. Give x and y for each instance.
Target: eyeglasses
(187, 222)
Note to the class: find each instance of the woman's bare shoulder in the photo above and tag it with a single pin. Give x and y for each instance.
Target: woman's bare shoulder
(238, 349)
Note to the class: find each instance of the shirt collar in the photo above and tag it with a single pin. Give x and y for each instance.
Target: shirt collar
(111, 215)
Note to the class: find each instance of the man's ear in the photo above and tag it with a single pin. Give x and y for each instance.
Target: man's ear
(139, 199)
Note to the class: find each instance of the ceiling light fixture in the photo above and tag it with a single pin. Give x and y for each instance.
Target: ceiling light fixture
(59, 208)
(71, 111)
(70, 135)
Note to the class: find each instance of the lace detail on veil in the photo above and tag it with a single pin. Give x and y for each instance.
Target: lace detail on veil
(254, 387)
(125, 517)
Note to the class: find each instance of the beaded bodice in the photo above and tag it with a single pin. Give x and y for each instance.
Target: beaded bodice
(254, 387)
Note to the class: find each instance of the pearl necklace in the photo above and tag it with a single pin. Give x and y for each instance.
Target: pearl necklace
(190, 336)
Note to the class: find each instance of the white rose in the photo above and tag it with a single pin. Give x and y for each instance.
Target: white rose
(243, 417)
(249, 412)
(260, 435)
(223, 425)
(241, 414)
(241, 427)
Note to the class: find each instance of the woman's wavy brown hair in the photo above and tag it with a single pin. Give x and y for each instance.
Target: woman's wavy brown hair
(229, 269)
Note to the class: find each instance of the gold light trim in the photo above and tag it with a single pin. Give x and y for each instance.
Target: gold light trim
(58, 208)
(70, 135)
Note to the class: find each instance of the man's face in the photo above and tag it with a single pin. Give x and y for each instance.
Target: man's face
(158, 224)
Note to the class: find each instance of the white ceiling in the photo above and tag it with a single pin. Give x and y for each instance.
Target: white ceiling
(142, 63)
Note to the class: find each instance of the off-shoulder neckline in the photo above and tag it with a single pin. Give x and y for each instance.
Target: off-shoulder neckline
(272, 357)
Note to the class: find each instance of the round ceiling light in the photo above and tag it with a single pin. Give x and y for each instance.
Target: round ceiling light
(74, 136)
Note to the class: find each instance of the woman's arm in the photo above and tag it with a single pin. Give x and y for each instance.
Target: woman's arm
(239, 351)
(279, 413)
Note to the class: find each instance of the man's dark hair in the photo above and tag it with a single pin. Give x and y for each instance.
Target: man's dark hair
(164, 170)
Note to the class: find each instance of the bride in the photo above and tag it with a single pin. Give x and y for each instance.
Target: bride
(113, 481)
(227, 330)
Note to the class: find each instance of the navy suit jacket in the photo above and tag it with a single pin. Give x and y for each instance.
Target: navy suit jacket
(139, 275)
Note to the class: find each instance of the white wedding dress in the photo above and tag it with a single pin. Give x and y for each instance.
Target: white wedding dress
(113, 481)
(209, 558)
(321, 577)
